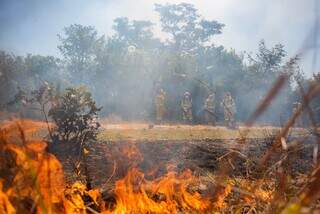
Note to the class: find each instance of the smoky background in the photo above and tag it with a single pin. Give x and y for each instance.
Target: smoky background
(124, 70)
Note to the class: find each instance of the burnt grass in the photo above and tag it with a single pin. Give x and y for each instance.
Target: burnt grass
(110, 161)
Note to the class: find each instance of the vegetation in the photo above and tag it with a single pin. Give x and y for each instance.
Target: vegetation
(126, 68)
(141, 168)
(75, 115)
(32, 179)
(141, 132)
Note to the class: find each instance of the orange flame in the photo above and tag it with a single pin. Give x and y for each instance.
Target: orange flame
(168, 194)
(39, 176)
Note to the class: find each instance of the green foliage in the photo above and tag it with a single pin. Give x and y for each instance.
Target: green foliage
(41, 65)
(186, 27)
(124, 70)
(75, 116)
(269, 60)
(79, 45)
(18, 74)
(136, 33)
(9, 75)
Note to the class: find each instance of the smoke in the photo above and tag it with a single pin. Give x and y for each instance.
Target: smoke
(32, 26)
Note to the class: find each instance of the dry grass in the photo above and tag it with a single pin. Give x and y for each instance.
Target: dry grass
(33, 129)
(143, 131)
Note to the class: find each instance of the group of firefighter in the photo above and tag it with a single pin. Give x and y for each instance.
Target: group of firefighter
(228, 105)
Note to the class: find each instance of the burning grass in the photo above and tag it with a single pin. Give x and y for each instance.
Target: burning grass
(34, 181)
(37, 184)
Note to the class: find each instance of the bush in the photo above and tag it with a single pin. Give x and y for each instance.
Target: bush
(75, 116)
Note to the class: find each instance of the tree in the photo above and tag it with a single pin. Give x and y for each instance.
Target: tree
(79, 45)
(188, 30)
(262, 72)
(42, 68)
(137, 33)
(124, 71)
(8, 77)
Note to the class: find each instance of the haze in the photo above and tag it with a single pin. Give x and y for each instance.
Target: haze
(31, 26)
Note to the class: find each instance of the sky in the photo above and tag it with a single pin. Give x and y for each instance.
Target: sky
(31, 26)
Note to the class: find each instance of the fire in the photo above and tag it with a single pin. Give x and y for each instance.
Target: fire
(33, 173)
(39, 177)
(132, 153)
(35, 181)
(220, 201)
(5, 204)
(168, 194)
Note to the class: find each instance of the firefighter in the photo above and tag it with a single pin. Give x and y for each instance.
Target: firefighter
(209, 114)
(160, 105)
(186, 107)
(229, 109)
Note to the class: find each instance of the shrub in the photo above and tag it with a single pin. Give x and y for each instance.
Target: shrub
(75, 116)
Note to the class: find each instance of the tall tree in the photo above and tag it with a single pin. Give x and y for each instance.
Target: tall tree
(42, 68)
(188, 30)
(267, 65)
(9, 75)
(137, 33)
(78, 46)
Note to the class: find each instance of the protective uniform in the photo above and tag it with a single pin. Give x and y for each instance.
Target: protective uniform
(229, 109)
(186, 106)
(209, 114)
(160, 105)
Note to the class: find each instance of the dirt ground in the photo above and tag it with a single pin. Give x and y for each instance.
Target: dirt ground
(205, 151)
(198, 148)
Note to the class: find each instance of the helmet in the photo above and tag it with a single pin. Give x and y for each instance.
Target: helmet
(186, 94)
(131, 49)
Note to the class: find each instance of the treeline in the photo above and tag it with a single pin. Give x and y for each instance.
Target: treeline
(124, 70)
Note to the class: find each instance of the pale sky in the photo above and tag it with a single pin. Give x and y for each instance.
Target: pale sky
(31, 26)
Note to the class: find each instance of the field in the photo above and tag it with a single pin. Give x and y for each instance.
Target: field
(150, 132)
(146, 168)
(205, 151)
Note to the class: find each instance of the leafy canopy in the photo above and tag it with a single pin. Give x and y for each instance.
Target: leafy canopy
(186, 27)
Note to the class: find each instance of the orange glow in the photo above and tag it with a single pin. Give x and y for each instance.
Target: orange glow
(168, 194)
(39, 176)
